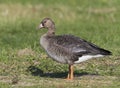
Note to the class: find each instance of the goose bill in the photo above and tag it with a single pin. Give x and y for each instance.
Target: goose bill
(40, 26)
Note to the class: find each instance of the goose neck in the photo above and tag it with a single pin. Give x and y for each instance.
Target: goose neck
(51, 32)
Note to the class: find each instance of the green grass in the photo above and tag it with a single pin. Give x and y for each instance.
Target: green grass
(24, 64)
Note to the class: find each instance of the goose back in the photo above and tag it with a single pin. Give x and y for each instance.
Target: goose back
(68, 48)
(79, 46)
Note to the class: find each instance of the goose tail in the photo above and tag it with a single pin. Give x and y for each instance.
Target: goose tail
(105, 52)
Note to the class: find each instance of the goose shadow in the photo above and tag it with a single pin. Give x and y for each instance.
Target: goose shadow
(35, 71)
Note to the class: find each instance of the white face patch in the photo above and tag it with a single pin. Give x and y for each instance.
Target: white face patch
(41, 26)
(87, 57)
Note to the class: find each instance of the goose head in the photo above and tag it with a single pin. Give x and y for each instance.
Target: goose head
(47, 23)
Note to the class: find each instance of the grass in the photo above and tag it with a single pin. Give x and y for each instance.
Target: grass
(24, 64)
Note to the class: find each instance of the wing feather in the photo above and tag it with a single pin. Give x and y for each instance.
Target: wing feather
(76, 45)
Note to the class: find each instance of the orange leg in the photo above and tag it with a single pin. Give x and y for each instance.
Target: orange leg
(70, 73)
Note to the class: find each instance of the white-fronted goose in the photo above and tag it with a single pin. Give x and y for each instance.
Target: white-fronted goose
(68, 49)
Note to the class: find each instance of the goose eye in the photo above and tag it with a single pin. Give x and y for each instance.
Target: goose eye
(45, 21)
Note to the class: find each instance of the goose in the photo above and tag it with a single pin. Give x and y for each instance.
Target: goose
(68, 49)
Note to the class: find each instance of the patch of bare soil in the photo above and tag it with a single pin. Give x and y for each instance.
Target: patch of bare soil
(25, 52)
(88, 81)
(5, 79)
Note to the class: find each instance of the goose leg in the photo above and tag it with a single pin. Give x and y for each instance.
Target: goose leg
(70, 73)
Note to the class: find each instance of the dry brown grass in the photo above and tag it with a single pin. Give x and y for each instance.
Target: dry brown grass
(87, 81)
